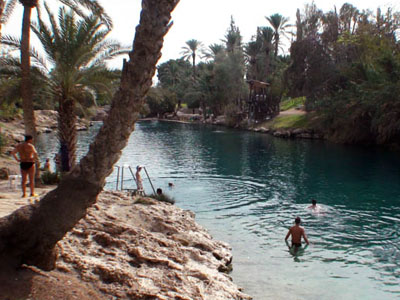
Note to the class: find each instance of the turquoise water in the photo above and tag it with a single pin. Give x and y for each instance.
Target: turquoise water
(246, 189)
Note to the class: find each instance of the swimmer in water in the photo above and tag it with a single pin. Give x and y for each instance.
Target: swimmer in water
(297, 232)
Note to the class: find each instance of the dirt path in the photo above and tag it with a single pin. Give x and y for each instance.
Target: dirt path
(292, 111)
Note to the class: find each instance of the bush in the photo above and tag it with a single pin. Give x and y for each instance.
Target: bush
(50, 178)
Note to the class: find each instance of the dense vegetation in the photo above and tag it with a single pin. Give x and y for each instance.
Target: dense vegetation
(344, 65)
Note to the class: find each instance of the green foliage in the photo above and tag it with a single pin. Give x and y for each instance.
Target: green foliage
(50, 178)
(233, 115)
(292, 103)
(160, 101)
(347, 64)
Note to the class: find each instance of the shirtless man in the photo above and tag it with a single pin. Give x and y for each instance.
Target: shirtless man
(27, 157)
(297, 232)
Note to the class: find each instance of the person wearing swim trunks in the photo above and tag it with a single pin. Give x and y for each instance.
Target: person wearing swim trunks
(297, 232)
(27, 156)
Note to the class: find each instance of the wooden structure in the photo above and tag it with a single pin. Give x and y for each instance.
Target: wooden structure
(261, 104)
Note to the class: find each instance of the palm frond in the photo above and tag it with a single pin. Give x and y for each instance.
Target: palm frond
(8, 10)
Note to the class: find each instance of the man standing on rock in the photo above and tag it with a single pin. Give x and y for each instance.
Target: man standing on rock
(27, 157)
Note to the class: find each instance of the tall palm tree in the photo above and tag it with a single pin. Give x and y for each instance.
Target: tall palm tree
(265, 36)
(77, 48)
(30, 234)
(190, 51)
(280, 26)
(26, 84)
(251, 50)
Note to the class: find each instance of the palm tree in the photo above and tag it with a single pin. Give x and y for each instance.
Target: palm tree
(265, 36)
(190, 51)
(26, 85)
(6, 9)
(30, 234)
(77, 50)
(213, 51)
(280, 26)
(251, 50)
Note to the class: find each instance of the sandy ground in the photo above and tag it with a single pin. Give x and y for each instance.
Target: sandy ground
(10, 191)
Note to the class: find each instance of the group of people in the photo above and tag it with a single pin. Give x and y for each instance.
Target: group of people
(297, 232)
(27, 156)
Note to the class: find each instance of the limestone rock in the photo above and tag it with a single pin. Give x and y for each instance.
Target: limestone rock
(147, 250)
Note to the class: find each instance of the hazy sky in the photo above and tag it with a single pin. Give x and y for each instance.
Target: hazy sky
(206, 20)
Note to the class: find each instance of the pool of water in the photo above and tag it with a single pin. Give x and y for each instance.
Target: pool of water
(246, 189)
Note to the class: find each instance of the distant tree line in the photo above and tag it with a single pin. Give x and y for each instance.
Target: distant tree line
(344, 62)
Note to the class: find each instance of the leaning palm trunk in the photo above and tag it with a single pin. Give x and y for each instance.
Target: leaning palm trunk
(67, 133)
(30, 233)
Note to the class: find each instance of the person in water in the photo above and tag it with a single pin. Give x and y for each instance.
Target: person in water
(297, 232)
(313, 204)
(27, 156)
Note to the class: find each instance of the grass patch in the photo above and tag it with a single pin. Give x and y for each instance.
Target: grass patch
(292, 103)
(290, 121)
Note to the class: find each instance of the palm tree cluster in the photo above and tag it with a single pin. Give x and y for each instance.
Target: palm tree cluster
(72, 70)
(217, 84)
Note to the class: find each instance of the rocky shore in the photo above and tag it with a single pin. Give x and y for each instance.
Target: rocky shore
(127, 248)
(140, 248)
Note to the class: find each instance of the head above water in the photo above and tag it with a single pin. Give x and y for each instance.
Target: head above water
(28, 138)
(159, 191)
(297, 220)
(314, 202)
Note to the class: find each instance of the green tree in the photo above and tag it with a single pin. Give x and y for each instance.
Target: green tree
(77, 48)
(280, 26)
(233, 38)
(30, 235)
(190, 51)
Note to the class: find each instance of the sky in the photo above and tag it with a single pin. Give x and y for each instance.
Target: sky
(206, 21)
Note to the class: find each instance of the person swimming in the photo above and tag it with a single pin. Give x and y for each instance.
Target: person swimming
(314, 204)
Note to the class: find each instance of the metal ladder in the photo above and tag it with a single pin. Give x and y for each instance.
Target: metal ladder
(120, 179)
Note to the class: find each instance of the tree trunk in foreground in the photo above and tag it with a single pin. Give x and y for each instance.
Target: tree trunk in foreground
(30, 233)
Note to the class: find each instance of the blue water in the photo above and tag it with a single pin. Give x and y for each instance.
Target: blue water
(246, 189)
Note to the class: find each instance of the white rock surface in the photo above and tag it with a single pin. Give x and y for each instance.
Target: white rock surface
(147, 250)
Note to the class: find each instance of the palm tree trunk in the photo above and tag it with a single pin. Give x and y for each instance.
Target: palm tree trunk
(26, 84)
(276, 45)
(67, 133)
(30, 233)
